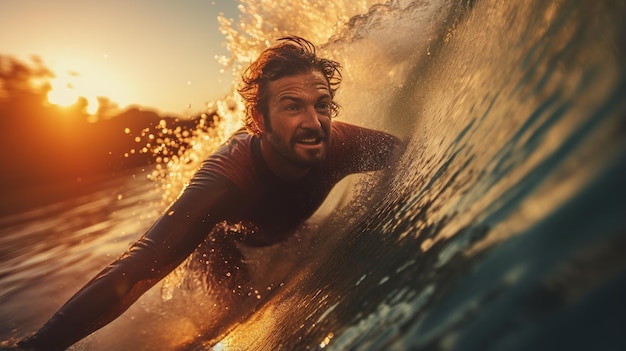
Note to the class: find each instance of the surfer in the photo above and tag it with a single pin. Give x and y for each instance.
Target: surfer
(268, 178)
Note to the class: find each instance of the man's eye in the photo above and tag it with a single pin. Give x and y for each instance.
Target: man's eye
(293, 107)
(324, 107)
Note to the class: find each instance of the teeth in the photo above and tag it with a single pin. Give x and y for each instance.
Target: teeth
(308, 141)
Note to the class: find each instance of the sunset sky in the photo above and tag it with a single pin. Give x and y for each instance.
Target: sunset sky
(153, 53)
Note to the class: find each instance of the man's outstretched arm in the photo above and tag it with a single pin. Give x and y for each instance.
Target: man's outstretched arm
(164, 246)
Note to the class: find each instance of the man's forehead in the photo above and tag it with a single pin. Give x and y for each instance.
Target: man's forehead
(301, 82)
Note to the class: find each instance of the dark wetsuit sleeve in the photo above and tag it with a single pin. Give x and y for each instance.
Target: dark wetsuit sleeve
(205, 202)
(361, 149)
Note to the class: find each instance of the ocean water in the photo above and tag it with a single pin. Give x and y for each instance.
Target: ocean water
(502, 227)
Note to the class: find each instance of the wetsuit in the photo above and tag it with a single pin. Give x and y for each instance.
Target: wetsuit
(232, 185)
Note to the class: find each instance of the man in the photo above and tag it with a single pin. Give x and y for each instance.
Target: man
(268, 179)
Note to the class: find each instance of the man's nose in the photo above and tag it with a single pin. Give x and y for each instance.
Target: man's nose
(311, 118)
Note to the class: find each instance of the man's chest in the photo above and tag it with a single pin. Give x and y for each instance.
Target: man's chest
(277, 209)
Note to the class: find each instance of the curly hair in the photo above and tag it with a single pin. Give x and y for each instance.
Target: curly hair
(293, 55)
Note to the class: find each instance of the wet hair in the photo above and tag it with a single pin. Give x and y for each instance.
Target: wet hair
(293, 55)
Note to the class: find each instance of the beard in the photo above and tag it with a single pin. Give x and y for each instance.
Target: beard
(296, 151)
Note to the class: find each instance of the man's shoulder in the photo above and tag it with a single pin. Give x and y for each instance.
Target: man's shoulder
(346, 130)
(233, 161)
(359, 149)
(347, 134)
(361, 135)
(237, 146)
(339, 126)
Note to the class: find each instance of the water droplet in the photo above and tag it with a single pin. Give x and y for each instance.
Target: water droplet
(326, 340)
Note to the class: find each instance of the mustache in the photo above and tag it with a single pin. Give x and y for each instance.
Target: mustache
(311, 133)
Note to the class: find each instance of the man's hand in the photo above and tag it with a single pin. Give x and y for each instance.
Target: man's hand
(12, 345)
(8, 344)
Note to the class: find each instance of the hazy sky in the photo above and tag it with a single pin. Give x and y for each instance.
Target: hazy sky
(154, 53)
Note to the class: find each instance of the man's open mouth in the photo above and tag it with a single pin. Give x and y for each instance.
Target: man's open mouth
(310, 141)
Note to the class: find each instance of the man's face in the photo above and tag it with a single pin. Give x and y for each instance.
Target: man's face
(298, 123)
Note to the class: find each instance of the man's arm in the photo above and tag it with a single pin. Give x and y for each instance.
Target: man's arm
(362, 149)
(165, 245)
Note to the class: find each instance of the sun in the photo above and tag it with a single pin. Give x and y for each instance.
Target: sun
(98, 82)
(63, 96)
(66, 89)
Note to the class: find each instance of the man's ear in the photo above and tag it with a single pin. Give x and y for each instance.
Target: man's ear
(258, 120)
